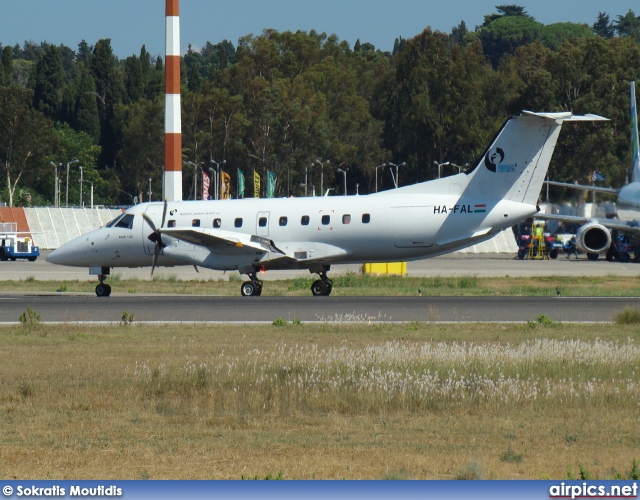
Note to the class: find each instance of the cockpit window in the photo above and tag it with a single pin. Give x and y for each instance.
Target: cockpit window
(126, 222)
(114, 221)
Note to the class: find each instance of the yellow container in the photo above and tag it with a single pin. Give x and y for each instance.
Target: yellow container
(385, 269)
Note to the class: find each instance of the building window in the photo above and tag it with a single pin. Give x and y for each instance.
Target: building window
(217, 223)
(262, 222)
(326, 220)
(304, 220)
(283, 221)
(195, 223)
(346, 219)
(238, 222)
(366, 218)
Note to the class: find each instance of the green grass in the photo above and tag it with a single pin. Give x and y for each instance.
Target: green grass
(357, 285)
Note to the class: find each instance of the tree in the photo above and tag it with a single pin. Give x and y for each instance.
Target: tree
(50, 80)
(7, 65)
(628, 25)
(603, 26)
(507, 33)
(86, 117)
(553, 35)
(24, 134)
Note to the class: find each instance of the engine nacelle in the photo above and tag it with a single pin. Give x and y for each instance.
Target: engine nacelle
(593, 238)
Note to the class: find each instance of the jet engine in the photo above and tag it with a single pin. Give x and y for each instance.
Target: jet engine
(593, 238)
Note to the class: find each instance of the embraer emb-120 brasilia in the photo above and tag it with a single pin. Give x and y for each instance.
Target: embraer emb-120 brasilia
(413, 222)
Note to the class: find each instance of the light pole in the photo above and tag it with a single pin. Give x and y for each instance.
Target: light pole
(80, 167)
(379, 166)
(305, 181)
(91, 193)
(322, 175)
(344, 175)
(211, 179)
(149, 188)
(66, 198)
(56, 184)
(195, 179)
(216, 189)
(440, 165)
(460, 167)
(397, 177)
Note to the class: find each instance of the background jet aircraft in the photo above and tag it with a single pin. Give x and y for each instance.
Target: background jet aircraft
(413, 222)
(596, 235)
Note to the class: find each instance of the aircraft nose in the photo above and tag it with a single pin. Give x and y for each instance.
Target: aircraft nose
(69, 254)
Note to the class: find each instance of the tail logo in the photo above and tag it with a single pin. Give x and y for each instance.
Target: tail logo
(493, 158)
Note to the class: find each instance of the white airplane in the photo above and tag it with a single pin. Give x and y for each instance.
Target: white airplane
(413, 222)
(595, 235)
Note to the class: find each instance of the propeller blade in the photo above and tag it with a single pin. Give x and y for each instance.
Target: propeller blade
(155, 258)
(164, 212)
(149, 221)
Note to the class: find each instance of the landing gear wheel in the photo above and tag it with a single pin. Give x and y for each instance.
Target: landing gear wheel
(250, 288)
(103, 290)
(553, 253)
(320, 288)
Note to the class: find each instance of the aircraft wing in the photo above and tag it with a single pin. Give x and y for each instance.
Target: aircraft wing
(233, 243)
(628, 227)
(584, 187)
(228, 242)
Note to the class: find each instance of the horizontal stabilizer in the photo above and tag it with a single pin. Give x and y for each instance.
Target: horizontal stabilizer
(567, 116)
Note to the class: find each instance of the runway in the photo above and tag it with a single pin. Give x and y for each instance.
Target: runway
(197, 308)
(67, 307)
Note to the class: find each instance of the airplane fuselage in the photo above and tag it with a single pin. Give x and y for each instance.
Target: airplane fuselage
(387, 226)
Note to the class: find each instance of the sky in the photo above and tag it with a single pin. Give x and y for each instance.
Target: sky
(131, 23)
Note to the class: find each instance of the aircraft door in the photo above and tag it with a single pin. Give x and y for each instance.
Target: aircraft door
(262, 224)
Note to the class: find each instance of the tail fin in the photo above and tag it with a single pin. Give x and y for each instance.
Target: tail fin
(635, 159)
(515, 164)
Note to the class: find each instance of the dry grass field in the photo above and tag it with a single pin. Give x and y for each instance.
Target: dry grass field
(319, 401)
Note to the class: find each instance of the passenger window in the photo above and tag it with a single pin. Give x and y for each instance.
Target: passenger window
(195, 223)
(217, 223)
(326, 220)
(283, 221)
(171, 223)
(366, 218)
(304, 220)
(262, 222)
(126, 222)
(346, 219)
(238, 222)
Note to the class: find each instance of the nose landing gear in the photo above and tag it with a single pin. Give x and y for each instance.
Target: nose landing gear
(102, 289)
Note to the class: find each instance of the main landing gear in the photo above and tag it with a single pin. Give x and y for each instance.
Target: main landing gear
(323, 286)
(102, 289)
(319, 288)
(253, 287)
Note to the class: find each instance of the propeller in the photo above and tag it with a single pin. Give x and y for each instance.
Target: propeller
(156, 236)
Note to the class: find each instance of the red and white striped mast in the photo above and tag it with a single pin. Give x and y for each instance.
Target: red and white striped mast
(172, 182)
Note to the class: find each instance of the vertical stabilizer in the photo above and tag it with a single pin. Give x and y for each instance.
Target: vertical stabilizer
(172, 185)
(516, 163)
(635, 160)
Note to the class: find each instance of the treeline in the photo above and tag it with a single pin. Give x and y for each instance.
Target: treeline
(287, 102)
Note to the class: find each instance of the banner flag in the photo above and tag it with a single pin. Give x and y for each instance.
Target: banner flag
(240, 184)
(205, 185)
(225, 186)
(256, 184)
(271, 184)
